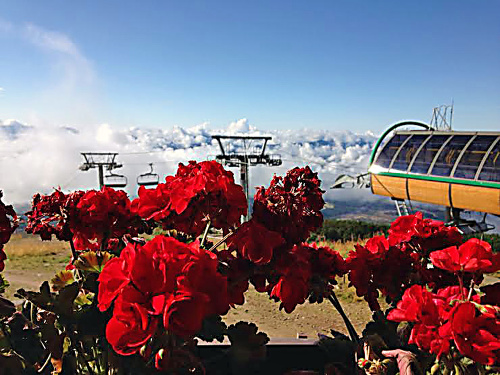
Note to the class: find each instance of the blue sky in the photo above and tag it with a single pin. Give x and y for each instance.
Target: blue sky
(357, 65)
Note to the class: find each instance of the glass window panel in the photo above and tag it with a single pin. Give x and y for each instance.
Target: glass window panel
(427, 153)
(385, 157)
(491, 168)
(472, 157)
(408, 151)
(448, 156)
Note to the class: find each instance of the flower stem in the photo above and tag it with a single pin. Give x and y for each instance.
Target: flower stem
(461, 285)
(350, 328)
(205, 234)
(82, 356)
(73, 250)
(222, 240)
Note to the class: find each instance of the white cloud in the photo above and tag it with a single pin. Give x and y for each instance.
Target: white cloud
(37, 159)
(51, 40)
(68, 87)
(75, 62)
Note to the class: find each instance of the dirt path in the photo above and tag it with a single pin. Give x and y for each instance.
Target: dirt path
(307, 319)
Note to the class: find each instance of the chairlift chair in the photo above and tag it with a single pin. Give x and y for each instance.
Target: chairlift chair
(149, 178)
(114, 180)
(275, 160)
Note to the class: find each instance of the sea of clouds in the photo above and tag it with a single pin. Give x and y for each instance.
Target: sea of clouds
(40, 158)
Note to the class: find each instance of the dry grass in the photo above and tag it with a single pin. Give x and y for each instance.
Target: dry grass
(22, 245)
(342, 247)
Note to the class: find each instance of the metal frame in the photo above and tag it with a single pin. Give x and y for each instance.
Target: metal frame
(466, 146)
(116, 184)
(445, 144)
(453, 180)
(244, 160)
(109, 163)
(431, 164)
(418, 152)
(449, 179)
(483, 162)
(396, 154)
(151, 173)
(439, 132)
(374, 154)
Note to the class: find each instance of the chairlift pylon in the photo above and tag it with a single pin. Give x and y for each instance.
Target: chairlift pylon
(149, 178)
(114, 180)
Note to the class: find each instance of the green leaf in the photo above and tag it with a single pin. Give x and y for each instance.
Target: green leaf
(213, 328)
(66, 297)
(245, 334)
(4, 284)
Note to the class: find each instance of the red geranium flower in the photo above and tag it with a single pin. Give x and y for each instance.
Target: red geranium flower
(164, 277)
(184, 312)
(326, 263)
(292, 290)
(86, 218)
(237, 270)
(368, 270)
(197, 193)
(255, 242)
(476, 334)
(427, 234)
(293, 285)
(130, 327)
(417, 305)
(473, 256)
(291, 205)
(7, 227)
(102, 215)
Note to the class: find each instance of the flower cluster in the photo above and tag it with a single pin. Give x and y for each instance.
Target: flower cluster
(198, 193)
(369, 267)
(444, 318)
(164, 283)
(284, 215)
(455, 315)
(89, 219)
(472, 256)
(426, 235)
(306, 270)
(291, 205)
(7, 226)
(406, 253)
(155, 296)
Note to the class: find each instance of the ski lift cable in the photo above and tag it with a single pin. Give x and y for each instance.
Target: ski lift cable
(155, 162)
(65, 185)
(141, 152)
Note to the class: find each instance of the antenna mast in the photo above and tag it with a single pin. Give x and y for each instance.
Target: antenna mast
(442, 117)
(246, 159)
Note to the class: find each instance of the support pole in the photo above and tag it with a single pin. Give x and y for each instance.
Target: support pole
(244, 183)
(101, 177)
(243, 158)
(101, 160)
